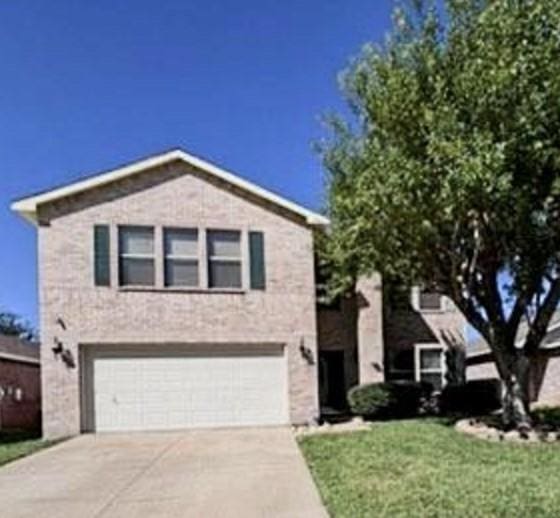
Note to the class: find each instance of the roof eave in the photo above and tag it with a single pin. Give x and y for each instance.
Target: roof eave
(27, 207)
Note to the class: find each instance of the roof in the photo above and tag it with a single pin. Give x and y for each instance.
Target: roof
(15, 349)
(27, 207)
(480, 347)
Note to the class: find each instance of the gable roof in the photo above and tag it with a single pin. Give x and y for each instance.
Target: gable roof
(479, 348)
(27, 207)
(13, 348)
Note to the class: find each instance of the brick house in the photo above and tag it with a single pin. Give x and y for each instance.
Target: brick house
(544, 376)
(175, 294)
(20, 384)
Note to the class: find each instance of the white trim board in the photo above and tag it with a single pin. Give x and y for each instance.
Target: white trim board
(19, 358)
(27, 207)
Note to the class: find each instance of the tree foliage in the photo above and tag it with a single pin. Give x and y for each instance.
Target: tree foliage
(13, 325)
(449, 172)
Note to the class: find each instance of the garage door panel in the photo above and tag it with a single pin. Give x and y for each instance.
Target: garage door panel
(173, 391)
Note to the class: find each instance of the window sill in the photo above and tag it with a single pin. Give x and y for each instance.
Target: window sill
(201, 291)
(433, 310)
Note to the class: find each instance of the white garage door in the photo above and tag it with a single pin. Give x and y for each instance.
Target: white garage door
(174, 390)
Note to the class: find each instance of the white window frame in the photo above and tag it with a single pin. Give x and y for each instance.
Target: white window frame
(225, 258)
(172, 257)
(122, 255)
(418, 371)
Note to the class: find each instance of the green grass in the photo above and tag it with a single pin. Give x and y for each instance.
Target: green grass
(16, 445)
(424, 468)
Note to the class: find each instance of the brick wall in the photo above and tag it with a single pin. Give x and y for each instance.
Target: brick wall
(407, 327)
(20, 410)
(544, 384)
(175, 195)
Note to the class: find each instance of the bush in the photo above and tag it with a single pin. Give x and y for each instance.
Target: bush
(383, 400)
(473, 397)
(548, 417)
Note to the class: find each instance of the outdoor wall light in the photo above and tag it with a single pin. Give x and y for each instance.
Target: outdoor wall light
(306, 353)
(61, 323)
(68, 358)
(58, 347)
(65, 354)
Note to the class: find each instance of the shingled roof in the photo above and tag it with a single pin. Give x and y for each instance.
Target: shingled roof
(479, 348)
(16, 349)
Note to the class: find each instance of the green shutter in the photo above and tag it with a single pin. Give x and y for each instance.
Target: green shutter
(256, 257)
(102, 257)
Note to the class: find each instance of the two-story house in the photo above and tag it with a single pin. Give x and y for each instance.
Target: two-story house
(175, 294)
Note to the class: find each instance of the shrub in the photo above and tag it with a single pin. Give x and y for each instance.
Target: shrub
(382, 400)
(548, 417)
(473, 397)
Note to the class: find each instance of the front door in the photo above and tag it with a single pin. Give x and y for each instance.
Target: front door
(332, 379)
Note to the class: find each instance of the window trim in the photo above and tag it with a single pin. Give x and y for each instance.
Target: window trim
(224, 259)
(418, 370)
(123, 255)
(416, 298)
(186, 258)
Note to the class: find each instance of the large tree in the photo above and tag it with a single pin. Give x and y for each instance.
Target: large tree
(448, 171)
(13, 325)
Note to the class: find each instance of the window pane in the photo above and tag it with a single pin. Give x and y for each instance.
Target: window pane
(136, 240)
(434, 379)
(136, 272)
(224, 274)
(430, 358)
(181, 242)
(181, 273)
(430, 300)
(224, 243)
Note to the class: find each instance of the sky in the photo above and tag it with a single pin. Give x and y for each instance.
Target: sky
(86, 86)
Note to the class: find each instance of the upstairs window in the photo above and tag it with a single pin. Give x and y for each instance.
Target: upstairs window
(136, 256)
(224, 259)
(429, 300)
(181, 257)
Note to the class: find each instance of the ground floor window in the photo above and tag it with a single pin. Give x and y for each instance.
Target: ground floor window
(429, 364)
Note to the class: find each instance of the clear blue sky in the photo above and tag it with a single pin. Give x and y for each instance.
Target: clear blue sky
(89, 85)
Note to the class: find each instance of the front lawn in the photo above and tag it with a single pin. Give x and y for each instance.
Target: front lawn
(16, 445)
(425, 468)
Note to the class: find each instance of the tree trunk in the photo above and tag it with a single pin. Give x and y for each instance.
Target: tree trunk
(515, 393)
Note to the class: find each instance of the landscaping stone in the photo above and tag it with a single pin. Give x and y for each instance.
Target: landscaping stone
(354, 425)
(478, 428)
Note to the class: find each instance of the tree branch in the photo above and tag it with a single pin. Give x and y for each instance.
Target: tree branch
(476, 318)
(538, 329)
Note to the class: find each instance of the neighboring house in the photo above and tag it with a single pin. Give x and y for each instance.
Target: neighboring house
(544, 377)
(373, 335)
(20, 384)
(175, 294)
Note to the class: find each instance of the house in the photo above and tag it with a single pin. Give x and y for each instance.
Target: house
(175, 294)
(544, 376)
(20, 384)
(387, 332)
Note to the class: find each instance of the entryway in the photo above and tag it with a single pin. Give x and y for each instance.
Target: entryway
(332, 380)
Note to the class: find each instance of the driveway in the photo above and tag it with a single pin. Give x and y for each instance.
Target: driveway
(222, 473)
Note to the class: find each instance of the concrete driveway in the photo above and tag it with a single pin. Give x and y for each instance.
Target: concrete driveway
(222, 473)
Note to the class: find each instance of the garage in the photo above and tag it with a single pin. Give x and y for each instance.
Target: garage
(130, 388)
